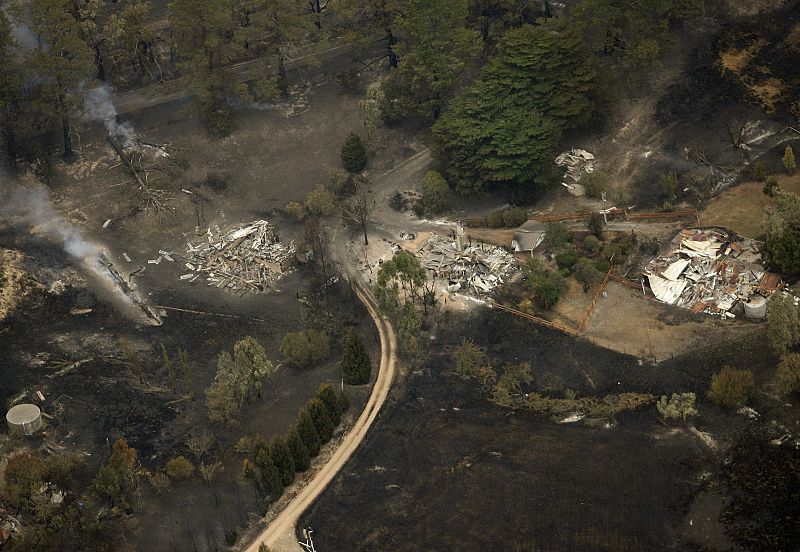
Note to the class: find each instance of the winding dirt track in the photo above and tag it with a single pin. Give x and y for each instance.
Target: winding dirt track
(279, 536)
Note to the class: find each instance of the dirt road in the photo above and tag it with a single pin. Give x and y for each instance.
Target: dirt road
(280, 534)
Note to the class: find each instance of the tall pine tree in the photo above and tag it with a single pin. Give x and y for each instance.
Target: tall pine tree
(355, 363)
(505, 128)
(282, 458)
(300, 455)
(434, 51)
(305, 426)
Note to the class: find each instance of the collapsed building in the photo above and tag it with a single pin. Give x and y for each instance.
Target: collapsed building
(475, 268)
(577, 162)
(710, 271)
(248, 258)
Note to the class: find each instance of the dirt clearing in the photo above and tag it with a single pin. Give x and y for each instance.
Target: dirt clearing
(741, 209)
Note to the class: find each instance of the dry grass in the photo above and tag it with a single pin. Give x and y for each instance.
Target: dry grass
(742, 208)
(736, 60)
(500, 237)
(13, 280)
(769, 92)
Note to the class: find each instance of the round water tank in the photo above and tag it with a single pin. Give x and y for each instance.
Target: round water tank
(25, 419)
(755, 307)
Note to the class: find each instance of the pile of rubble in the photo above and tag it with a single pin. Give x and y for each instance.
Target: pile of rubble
(577, 162)
(246, 259)
(710, 271)
(475, 268)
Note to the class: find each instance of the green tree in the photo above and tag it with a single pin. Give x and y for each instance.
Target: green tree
(305, 347)
(511, 382)
(278, 27)
(668, 184)
(237, 378)
(355, 362)
(363, 20)
(789, 162)
(435, 48)
(203, 32)
(179, 468)
(403, 272)
(308, 432)
(595, 224)
(353, 154)
(60, 65)
(556, 236)
(491, 18)
(789, 374)
(270, 475)
(434, 194)
(301, 458)
(546, 285)
(504, 129)
(566, 259)
(132, 38)
(783, 322)
(11, 93)
(116, 480)
(24, 473)
(319, 201)
(322, 420)
(595, 184)
(409, 324)
(782, 229)
(585, 273)
(328, 396)
(678, 407)
(281, 456)
(731, 388)
(467, 358)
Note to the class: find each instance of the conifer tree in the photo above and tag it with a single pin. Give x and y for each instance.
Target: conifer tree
(271, 480)
(281, 456)
(354, 156)
(305, 426)
(329, 398)
(789, 162)
(505, 128)
(355, 363)
(300, 455)
(434, 51)
(321, 418)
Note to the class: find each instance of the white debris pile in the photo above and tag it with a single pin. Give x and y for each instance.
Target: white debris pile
(577, 162)
(476, 268)
(246, 259)
(709, 271)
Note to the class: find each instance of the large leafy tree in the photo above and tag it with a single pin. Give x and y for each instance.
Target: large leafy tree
(238, 377)
(363, 21)
(504, 129)
(432, 55)
(61, 64)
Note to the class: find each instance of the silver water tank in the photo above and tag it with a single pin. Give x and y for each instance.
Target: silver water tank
(25, 419)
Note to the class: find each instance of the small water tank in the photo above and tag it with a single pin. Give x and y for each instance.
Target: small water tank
(755, 307)
(25, 419)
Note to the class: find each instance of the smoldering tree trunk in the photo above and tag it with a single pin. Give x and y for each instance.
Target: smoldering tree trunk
(364, 228)
(11, 146)
(69, 153)
(98, 61)
(282, 84)
(391, 41)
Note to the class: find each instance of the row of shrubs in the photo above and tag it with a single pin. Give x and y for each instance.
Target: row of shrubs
(274, 465)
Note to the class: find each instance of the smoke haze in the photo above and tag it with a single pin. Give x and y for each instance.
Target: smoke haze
(100, 107)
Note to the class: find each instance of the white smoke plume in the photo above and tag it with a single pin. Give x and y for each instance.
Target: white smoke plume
(100, 108)
(32, 207)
